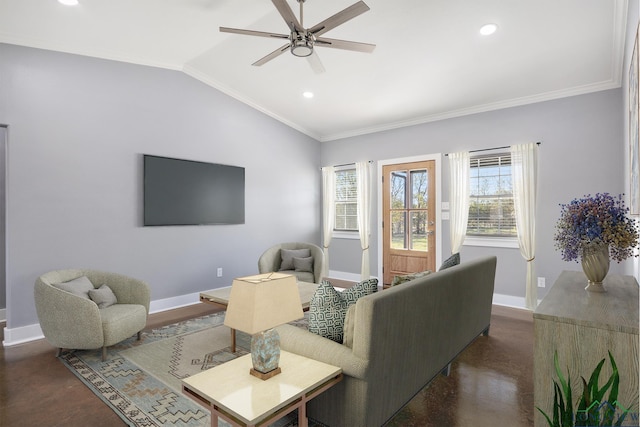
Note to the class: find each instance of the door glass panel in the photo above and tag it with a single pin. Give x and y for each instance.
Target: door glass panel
(419, 231)
(398, 226)
(398, 189)
(419, 185)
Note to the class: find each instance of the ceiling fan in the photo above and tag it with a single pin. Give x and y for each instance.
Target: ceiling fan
(303, 40)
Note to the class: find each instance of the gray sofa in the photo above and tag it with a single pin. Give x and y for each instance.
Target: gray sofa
(402, 338)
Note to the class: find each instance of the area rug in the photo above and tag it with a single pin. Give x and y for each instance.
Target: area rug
(141, 380)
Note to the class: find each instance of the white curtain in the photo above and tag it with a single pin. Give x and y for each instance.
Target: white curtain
(363, 178)
(328, 218)
(524, 172)
(458, 198)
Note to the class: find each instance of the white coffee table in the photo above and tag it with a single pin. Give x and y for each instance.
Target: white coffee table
(244, 400)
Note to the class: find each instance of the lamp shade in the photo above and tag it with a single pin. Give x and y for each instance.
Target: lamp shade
(263, 301)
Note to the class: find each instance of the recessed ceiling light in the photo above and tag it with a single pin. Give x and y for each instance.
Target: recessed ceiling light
(488, 29)
(68, 2)
(307, 94)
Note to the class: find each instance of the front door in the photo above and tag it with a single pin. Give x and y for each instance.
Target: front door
(409, 218)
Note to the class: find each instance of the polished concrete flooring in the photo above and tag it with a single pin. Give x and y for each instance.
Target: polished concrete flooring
(491, 382)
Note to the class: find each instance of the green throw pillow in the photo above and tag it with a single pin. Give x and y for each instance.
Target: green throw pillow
(451, 261)
(328, 307)
(408, 277)
(79, 286)
(103, 296)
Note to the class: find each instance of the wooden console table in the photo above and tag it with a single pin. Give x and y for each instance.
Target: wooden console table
(582, 326)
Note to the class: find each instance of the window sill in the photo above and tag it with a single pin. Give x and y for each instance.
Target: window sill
(353, 235)
(492, 242)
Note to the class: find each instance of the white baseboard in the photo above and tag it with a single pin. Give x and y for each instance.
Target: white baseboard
(165, 304)
(23, 334)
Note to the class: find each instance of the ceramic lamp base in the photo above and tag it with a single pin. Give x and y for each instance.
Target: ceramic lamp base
(265, 354)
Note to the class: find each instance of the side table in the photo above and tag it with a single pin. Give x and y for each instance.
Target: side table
(244, 400)
(582, 327)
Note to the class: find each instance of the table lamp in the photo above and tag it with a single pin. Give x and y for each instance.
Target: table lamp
(257, 304)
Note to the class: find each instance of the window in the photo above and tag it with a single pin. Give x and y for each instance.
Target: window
(346, 203)
(491, 210)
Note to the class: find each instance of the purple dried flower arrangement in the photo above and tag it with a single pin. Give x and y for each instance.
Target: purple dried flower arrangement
(592, 222)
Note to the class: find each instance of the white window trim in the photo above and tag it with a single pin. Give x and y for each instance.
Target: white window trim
(491, 242)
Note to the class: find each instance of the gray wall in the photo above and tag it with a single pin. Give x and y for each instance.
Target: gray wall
(582, 152)
(79, 127)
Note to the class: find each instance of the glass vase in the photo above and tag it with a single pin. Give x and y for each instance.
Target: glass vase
(595, 264)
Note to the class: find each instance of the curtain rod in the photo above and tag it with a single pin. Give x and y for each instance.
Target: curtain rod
(348, 164)
(494, 148)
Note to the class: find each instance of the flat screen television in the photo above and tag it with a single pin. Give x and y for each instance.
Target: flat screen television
(186, 192)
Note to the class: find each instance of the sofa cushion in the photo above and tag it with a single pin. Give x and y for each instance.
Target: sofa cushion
(79, 286)
(303, 264)
(408, 277)
(287, 255)
(451, 261)
(103, 296)
(328, 307)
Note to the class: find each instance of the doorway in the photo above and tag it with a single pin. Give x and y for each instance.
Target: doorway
(410, 220)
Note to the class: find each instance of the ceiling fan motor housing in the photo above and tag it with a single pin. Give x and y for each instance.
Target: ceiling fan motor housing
(301, 44)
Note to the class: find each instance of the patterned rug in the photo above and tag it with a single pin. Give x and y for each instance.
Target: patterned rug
(141, 380)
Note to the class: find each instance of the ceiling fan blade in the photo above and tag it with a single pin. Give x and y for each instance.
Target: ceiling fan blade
(316, 64)
(288, 15)
(339, 18)
(272, 55)
(344, 44)
(253, 33)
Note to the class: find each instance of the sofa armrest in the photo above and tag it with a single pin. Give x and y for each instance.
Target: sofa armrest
(299, 341)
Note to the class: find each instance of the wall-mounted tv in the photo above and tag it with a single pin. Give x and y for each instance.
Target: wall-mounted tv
(185, 192)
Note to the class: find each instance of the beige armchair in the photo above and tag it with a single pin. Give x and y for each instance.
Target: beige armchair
(71, 320)
(272, 258)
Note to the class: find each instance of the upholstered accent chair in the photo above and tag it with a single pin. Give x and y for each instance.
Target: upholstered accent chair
(303, 260)
(89, 309)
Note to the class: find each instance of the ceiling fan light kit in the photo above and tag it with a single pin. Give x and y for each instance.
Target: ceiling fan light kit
(303, 40)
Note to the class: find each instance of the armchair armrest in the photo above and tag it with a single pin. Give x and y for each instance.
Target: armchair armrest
(67, 320)
(127, 290)
(305, 343)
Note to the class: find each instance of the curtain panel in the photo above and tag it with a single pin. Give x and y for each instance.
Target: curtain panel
(363, 175)
(458, 198)
(328, 218)
(524, 173)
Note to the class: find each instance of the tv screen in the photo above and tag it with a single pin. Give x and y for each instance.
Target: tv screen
(185, 192)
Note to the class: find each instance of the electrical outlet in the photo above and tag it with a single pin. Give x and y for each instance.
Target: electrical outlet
(219, 271)
(541, 282)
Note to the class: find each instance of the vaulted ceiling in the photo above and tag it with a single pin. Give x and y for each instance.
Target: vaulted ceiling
(430, 61)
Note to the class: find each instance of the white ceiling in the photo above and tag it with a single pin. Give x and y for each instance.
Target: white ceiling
(430, 61)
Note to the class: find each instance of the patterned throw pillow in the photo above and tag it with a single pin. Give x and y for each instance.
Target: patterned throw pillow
(328, 307)
(451, 261)
(408, 277)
